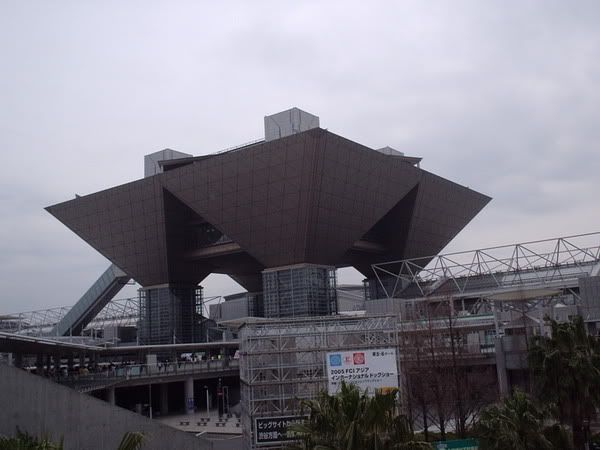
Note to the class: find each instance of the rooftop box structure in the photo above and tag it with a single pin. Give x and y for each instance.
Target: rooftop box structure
(289, 122)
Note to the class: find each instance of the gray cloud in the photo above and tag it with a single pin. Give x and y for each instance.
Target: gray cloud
(501, 96)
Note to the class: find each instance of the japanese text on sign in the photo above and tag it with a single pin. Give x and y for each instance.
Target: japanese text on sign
(271, 430)
(368, 369)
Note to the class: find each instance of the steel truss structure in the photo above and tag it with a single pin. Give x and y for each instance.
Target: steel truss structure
(510, 286)
(119, 312)
(546, 263)
(284, 361)
(122, 312)
(33, 323)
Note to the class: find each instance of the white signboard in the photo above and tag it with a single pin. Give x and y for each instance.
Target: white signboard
(274, 430)
(368, 369)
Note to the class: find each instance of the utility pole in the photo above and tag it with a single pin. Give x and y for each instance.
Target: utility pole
(220, 398)
(207, 401)
(150, 401)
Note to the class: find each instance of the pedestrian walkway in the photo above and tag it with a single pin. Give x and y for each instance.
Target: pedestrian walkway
(131, 374)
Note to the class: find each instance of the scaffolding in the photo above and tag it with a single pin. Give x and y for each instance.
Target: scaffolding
(299, 291)
(283, 361)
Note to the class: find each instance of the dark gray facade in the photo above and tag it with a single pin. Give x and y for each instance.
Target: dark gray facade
(299, 291)
(170, 314)
(311, 197)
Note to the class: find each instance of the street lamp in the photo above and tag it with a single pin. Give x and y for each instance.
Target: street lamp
(207, 401)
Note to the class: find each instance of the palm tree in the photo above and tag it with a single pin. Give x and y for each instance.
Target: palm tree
(24, 441)
(351, 420)
(517, 423)
(131, 441)
(566, 374)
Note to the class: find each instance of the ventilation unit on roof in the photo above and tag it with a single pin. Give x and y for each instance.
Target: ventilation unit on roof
(286, 123)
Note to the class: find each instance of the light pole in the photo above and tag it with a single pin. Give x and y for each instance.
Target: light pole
(150, 401)
(207, 401)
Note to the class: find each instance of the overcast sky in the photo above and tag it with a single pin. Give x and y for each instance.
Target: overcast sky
(503, 97)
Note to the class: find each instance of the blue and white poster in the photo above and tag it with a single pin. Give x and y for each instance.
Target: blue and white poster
(373, 370)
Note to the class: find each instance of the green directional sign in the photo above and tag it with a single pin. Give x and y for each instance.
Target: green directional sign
(463, 444)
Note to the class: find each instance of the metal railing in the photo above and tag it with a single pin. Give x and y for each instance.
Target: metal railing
(89, 380)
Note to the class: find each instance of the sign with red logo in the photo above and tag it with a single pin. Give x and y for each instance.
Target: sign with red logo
(359, 358)
(370, 370)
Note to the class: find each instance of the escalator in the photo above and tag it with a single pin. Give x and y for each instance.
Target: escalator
(91, 303)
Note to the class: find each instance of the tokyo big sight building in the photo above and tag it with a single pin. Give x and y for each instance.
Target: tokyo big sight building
(277, 215)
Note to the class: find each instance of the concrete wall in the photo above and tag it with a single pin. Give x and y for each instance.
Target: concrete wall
(40, 406)
(230, 309)
(589, 289)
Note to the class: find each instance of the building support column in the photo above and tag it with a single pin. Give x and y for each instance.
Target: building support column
(501, 368)
(287, 292)
(150, 415)
(164, 399)
(39, 364)
(56, 362)
(188, 389)
(18, 360)
(207, 401)
(175, 305)
(111, 396)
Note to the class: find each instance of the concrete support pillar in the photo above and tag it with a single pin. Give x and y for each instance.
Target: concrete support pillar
(207, 400)
(111, 397)
(315, 298)
(188, 389)
(48, 364)
(56, 365)
(501, 368)
(164, 399)
(18, 360)
(173, 304)
(150, 413)
(70, 362)
(39, 364)
(57, 360)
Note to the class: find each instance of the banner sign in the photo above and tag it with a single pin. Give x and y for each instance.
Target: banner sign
(462, 444)
(372, 370)
(274, 430)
